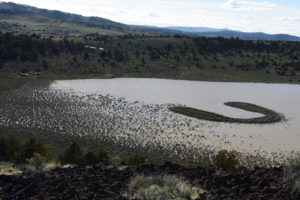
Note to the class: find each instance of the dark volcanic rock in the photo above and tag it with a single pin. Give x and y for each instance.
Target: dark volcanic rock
(98, 182)
(103, 182)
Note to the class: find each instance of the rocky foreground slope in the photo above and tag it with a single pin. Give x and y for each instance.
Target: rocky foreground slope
(107, 182)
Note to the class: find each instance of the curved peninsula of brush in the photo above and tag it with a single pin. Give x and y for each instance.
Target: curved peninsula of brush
(269, 115)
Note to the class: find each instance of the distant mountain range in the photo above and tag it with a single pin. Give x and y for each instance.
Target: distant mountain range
(20, 18)
(187, 29)
(226, 33)
(195, 29)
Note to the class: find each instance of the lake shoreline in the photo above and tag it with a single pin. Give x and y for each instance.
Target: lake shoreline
(11, 81)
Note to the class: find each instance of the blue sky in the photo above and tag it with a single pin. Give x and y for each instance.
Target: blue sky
(270, 16)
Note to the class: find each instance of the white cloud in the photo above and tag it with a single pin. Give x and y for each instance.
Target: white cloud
(153, 14)
(248, 5)
(287, 18)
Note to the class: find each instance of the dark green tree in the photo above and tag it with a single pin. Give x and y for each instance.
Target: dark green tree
(15, 142)
(136, 160)
(30, 147)
(102, 155)
(90, 159)
(7, 153)
(72, 155)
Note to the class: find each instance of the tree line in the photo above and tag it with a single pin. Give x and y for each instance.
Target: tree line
(31, 47)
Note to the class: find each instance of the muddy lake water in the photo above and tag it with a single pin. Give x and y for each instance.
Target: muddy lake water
(133, 113)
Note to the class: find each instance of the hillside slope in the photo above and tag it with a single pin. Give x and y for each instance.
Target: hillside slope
(23, 19)
(213, 59)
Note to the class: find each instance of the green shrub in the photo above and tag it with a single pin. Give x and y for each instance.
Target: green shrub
(102, 155)
(90, 159)
(72, 155)
(292, 171)
(161, 187)
(227, 160)
(37, 161)
(136, 160)
(7, 152)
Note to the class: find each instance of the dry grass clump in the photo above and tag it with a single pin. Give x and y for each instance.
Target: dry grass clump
(8, 169)
(161, 187)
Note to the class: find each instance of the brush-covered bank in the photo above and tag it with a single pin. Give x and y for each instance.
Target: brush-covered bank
(84, 175)
(209, 59)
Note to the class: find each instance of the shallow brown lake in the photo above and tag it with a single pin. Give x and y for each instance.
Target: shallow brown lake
(210, 96)
(135, 110)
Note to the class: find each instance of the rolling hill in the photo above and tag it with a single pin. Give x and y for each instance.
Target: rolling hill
(24, 19)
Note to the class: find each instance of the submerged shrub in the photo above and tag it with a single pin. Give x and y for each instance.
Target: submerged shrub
(72, 155)
(136, 160)
(161, 187)
(227, 160)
